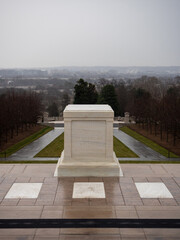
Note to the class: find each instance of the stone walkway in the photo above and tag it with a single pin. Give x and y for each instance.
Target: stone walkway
(145, 153)
(29, 151)
(122, 201)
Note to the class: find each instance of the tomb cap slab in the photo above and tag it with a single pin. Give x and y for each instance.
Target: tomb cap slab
(88, 110)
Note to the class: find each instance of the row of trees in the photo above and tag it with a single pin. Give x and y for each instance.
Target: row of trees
(56, 107)
(158, 115)
(18, 111)
(157, 110)
(156, 107)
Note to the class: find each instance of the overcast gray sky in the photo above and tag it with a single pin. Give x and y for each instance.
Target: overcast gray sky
(48, 33)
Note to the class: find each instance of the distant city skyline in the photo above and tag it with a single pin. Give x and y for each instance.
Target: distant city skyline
(52, 33)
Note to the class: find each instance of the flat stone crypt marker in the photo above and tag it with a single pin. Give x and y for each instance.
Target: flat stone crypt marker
(88, 142)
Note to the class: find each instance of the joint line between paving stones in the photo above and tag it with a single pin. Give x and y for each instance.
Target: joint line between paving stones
(176, 182)
(55, 193)
(164, 168)
(138, 218)
(170, 189)
(24, 168)
(122, 193)
(11, 169)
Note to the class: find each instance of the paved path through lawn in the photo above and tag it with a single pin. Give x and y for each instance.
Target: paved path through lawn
(139, 148)
(145, 153)
(29, 151)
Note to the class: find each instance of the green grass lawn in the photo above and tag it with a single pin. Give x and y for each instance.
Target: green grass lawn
(148, 142)
(55, 148)
(25, 142)
(121, 150)
(150, 162)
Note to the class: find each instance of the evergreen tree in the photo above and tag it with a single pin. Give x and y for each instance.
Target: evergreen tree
(108, 96)
(121, 92)
(85, 93)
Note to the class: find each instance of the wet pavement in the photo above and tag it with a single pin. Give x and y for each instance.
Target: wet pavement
(122, 201)
(143, 151)
(29, 151)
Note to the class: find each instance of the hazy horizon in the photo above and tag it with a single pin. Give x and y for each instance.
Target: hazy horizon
(95, 66)
(83, 33)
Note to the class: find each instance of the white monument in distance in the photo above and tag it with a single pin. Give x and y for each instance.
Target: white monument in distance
(126, 117)
(88, 142)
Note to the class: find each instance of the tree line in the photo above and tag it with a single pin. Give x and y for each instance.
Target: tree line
(18, 111)
(155, 107)
(158, 115)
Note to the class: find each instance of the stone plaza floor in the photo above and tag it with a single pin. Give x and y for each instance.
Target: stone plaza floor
(53, 198)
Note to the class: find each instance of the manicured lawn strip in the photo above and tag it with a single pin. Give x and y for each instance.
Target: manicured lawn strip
(148, 142)
(29, 162)
(152, 162)
(55, 148)
(122, 150)
(25, 142)
(55, 162)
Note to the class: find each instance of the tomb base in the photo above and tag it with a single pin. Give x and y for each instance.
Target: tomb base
(88, 169)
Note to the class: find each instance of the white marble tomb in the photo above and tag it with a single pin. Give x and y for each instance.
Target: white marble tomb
(88, 142)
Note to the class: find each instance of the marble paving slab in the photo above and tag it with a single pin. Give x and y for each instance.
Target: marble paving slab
(24, 190)
(88, 190)
(153, 190)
